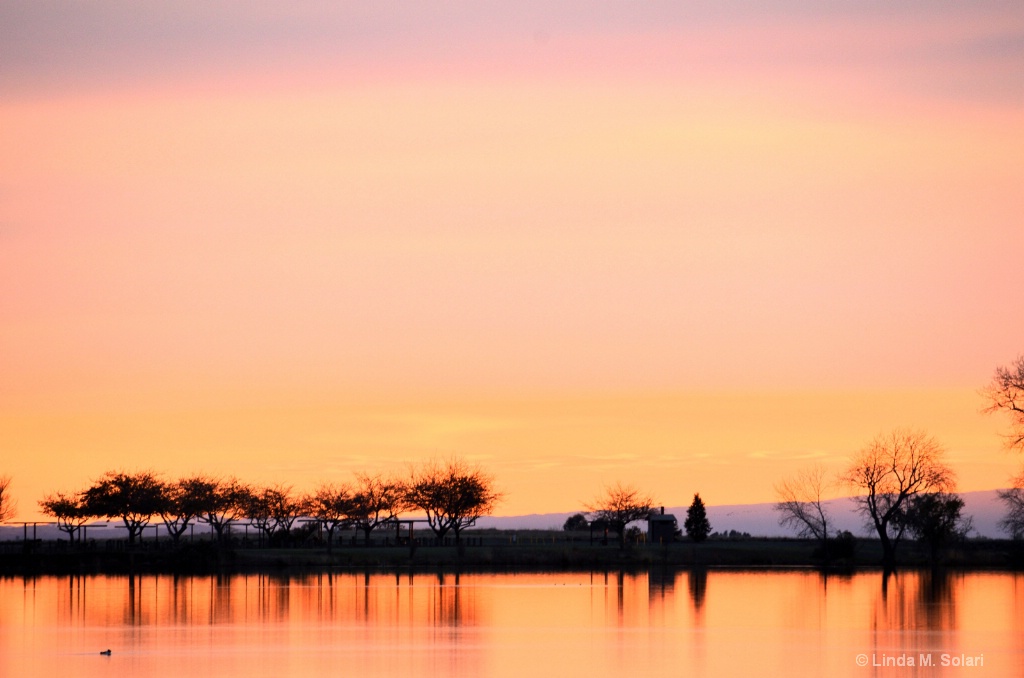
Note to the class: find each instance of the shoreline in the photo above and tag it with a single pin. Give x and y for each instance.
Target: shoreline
(539, 553)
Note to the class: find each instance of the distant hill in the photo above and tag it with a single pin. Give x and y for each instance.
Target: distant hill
(761, 519)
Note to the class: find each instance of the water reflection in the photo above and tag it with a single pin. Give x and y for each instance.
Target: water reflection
(919, 600)
(697, 580)
(661, 584)
(935, 600)
(715, 622)
(925, 600)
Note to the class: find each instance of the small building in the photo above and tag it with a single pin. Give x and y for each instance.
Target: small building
(661, 528)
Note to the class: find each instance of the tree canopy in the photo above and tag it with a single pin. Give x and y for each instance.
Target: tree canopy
(453, 494)
(376, 499)
(182, 503)
(890, 470)
(801, 503)
(7, 505)
(331, 505)
(1013, 498)
(619, 506)
(576, 523)
(133, 497)
(935, 519)
(1005, 393)
(696, 524)
(222, 501)
(67, 509)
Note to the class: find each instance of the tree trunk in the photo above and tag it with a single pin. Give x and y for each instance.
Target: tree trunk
(888, 551)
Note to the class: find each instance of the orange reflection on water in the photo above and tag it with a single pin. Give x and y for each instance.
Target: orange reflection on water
(427, 624)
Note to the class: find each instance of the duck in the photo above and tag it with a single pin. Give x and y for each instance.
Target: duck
(106, 652)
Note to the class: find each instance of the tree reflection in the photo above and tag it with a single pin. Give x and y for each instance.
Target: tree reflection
(936, 601)
(448, 600)
(660, 585)
(697, 579)
(915, 600)
(129, 610)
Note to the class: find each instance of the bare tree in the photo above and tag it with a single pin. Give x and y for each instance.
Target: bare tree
(1005, 393)
(890, 470)
(1013, 498)
(8, 507)
(68, 510)
(376, 500)
(619, 506)
(331, 506)
(801, 504)
(453, 494)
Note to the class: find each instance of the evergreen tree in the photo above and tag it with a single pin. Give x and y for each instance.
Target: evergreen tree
(697, 526)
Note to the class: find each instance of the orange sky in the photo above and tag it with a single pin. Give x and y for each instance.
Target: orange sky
(688, 248)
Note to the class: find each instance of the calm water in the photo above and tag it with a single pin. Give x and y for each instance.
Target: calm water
(722, 623)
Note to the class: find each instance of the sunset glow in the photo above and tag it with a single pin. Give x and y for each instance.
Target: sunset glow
(685, 248)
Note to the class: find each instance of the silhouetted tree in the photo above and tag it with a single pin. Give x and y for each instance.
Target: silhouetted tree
(696, 524)
(453, 494)
(934, 518)
(1013, 499)
(1005, 393)
(133, 497)
(331, 506)
(284, 508)
(800, 504)
(182, 502)
(634, 534)
(576, 523)
(259, 513)
(891, 470)
(67, 510)
(619, 506)
(7, 504)
(272, 510)
(376, 499)
(223, 502)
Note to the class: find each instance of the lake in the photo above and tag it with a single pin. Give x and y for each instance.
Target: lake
(714, 623)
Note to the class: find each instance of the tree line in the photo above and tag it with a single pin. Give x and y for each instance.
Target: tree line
(452, 494)
(619, 505)
(904, 487)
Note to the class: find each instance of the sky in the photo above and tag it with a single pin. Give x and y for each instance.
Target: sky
(687, 246)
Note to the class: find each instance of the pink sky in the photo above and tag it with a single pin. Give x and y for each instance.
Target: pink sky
(601, 240)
